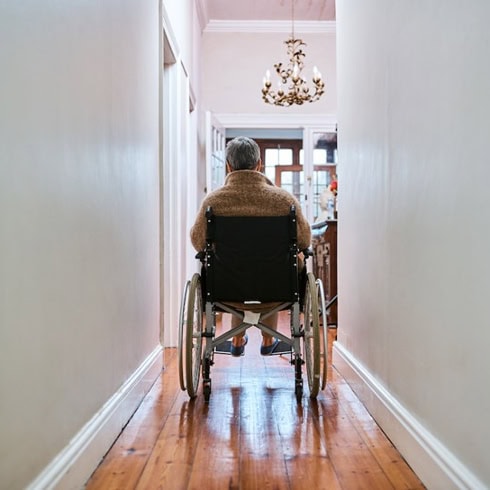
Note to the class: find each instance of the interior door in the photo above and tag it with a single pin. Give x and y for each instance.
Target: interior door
(320, 153)
(215, 153)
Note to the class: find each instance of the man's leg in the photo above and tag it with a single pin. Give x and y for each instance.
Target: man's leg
(271, 322)
(267, 340)
(237, 340)
(272, 345)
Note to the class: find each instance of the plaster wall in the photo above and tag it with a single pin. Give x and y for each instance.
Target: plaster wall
(234, 65)
(79, 226)
(414, 214)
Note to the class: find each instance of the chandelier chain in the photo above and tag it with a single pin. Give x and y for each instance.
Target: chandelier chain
(292, 19)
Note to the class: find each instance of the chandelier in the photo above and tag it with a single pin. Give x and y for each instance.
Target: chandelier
(291, 86)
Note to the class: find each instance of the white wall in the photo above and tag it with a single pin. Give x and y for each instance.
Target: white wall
(414, 223)
(235, 63)
(79, 283)
(182, 161)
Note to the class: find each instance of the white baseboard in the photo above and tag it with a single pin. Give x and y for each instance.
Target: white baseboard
(433, 463)
(72, 467)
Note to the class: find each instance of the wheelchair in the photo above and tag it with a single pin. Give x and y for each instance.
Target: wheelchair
(251, 261)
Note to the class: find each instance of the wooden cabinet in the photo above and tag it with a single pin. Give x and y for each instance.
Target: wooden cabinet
(324, 243)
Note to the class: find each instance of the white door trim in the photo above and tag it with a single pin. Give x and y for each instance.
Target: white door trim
(278, 121)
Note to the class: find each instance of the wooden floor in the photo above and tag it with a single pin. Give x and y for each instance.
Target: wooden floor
(252, 434)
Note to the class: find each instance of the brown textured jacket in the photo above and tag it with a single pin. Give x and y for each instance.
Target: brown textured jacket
(249, 193)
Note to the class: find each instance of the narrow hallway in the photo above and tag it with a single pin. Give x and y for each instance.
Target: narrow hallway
(112, 122)
(252, 434)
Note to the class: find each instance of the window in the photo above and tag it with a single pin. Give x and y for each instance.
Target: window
(283, 164)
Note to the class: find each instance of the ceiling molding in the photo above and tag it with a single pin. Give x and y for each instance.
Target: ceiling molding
(266, 26)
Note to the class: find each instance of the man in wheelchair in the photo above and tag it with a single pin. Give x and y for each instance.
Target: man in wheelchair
(249, 193)
(250, 236)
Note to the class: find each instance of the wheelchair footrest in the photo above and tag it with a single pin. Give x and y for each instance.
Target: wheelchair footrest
(277, 349)
(223, 348)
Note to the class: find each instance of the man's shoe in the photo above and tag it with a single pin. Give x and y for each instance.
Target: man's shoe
(276, 348)
(237, 351)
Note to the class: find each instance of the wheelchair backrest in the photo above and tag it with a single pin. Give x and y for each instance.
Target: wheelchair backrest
(251, 259)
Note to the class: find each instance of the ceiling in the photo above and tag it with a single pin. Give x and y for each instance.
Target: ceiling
(241, 10)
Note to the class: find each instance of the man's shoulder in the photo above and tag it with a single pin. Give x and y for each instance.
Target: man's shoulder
(218, 197)
(281, 194)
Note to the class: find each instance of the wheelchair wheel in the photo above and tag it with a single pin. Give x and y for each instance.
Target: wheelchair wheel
(193, 313)
(323, 332)
(182, 326)
(312, 335)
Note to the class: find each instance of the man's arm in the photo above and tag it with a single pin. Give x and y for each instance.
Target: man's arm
(302, 226)
(304, 231)
(198, 230)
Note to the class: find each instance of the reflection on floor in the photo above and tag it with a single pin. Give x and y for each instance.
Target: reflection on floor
(252, 434)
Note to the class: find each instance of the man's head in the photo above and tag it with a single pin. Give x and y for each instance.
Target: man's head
(243, 154)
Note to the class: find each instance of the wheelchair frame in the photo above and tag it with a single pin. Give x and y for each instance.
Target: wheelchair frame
(197, 323)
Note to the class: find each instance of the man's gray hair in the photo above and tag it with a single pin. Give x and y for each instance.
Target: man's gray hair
(242, 153)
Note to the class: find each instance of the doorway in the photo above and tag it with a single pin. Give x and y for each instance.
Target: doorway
(284, 164)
